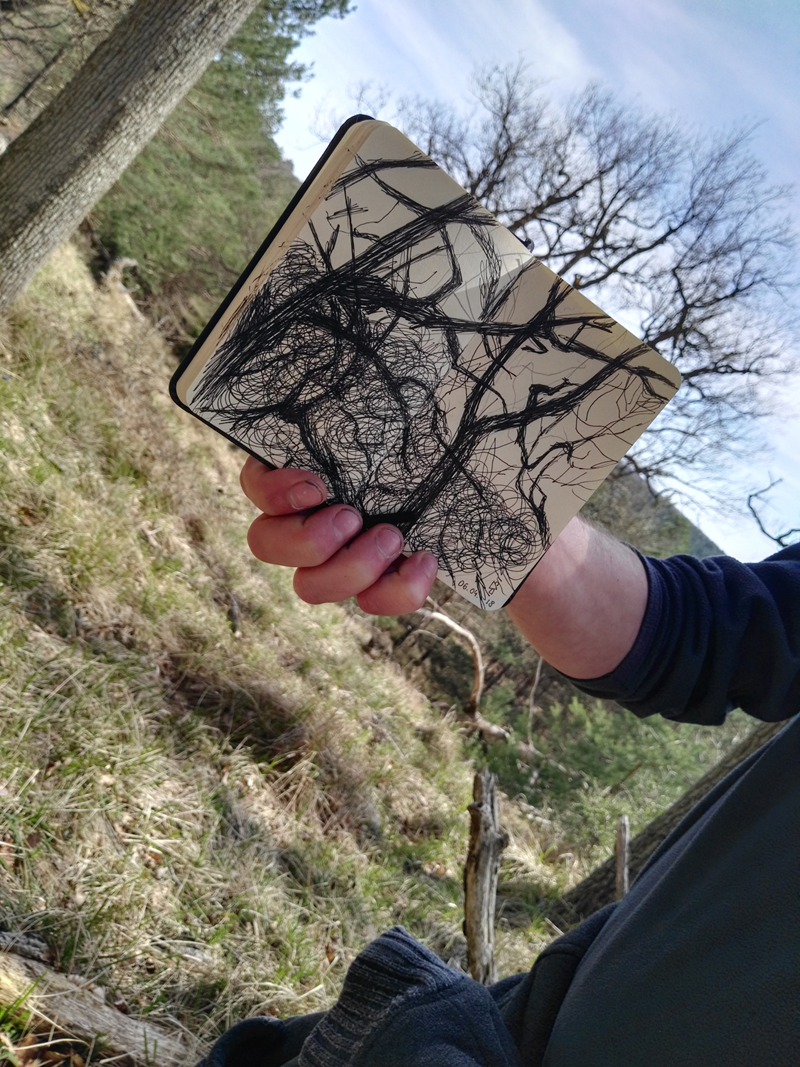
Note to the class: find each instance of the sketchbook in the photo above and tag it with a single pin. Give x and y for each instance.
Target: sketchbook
(392, 336)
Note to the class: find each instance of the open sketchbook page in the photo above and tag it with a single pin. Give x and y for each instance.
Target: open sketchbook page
(328, 357)
(411, 351)
(533, 415)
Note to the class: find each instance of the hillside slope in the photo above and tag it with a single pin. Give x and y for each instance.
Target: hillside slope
(212, 794)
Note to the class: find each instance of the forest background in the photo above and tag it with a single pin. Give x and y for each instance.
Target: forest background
(215, 795)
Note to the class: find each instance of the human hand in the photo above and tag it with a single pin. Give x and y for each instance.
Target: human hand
(334, 560)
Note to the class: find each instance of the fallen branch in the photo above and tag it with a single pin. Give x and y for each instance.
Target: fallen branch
(77, 1009)
(489, 731)
(477, 659)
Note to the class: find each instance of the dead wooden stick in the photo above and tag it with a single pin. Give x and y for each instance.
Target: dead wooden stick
(489, 731)
(486, 842)
(532, 699)
(477, 659)
(623, 855)
(69, 1006)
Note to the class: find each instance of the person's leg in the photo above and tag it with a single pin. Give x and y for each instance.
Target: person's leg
(700, 964)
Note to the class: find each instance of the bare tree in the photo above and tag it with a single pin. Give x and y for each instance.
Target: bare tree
(682, 236)
(786, 537)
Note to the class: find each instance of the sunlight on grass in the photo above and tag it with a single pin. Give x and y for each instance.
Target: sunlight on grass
(209, 826)
(214, 795)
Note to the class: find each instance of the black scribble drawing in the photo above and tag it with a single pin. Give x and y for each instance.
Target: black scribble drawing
(414, 354)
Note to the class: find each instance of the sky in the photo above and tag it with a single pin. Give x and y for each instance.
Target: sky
(714, 64)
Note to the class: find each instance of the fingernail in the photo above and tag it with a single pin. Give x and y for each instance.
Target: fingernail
(428, 564)
(305, 495)
(389, 541)
(347, 523)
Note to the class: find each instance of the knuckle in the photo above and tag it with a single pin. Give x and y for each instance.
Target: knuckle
(307, 589)
(259, 541)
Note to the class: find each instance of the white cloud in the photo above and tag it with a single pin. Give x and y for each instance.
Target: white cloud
(426, 49)
(712, 65)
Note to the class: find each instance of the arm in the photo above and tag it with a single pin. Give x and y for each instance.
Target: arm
(583, 604)
(682, 637)
(585, 576)
(716, 634)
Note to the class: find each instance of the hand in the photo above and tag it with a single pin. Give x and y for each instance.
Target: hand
(333, 560)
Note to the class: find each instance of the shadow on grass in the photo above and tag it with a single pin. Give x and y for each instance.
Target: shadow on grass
(42, 601)
(257, 713)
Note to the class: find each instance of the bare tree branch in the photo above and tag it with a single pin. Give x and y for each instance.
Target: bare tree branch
(488, 730)
(783, 539)
(684, 234)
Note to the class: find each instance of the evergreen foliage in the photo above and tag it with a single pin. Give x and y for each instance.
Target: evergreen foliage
(198, 201)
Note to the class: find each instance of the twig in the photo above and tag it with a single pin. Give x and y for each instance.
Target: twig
(612, 790)
(475, 721)
(532, 700)
(477, 659)
(598, 888)
(234, 616)
(782, 539)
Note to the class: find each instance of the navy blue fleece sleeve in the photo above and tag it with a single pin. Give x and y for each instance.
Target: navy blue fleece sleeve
(717, 634)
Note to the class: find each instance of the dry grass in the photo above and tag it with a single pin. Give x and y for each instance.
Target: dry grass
(207, 825)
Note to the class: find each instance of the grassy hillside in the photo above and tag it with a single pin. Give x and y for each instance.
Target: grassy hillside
(577, 763)
(212, 794)
(209, 825)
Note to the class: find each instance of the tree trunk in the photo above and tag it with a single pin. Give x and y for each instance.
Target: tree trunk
(599, 888)
(55, 171)
(486, 842)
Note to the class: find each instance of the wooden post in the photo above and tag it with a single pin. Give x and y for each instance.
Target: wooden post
(623, 855)
(486, 842)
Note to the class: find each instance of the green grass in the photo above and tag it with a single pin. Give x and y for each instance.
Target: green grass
(593, 761)
(207, 826)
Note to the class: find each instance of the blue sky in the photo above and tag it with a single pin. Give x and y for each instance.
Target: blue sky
(712, 63)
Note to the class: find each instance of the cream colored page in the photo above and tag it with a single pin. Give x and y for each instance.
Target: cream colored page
(532, 418)
(328, 356)
(413, 353)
